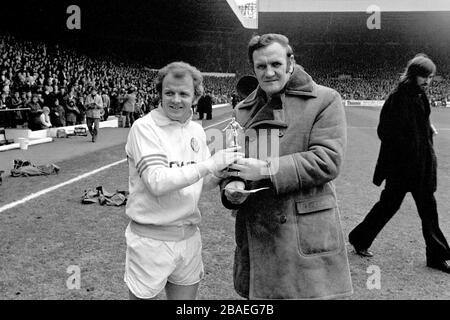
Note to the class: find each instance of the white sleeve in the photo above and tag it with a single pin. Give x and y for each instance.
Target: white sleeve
(210, 181)
(152, 163)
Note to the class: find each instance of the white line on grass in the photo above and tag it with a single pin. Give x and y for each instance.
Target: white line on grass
(87, 174)
(42, 192)
(215, 124)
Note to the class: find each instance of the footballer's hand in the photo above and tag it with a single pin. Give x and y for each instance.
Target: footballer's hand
(222, 159)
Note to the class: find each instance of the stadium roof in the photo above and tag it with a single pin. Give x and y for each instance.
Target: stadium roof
(350, 5)
(194, 21)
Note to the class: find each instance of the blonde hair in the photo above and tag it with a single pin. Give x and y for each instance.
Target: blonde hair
(179, 69)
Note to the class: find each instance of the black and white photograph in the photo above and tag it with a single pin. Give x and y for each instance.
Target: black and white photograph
(242, 152)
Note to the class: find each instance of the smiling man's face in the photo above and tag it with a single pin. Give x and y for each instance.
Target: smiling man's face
(178, 96)
(271, 68)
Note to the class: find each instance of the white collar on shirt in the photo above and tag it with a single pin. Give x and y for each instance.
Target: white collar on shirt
(161, 119)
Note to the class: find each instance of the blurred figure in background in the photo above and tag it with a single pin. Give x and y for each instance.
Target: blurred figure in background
(94, 108)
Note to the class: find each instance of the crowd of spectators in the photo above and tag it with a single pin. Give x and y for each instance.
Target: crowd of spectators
(35, 75)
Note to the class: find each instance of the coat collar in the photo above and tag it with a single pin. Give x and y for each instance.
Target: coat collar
(411, 89)
(300, 84)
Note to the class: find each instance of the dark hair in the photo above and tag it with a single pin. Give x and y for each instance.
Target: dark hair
(421, 65)
(179, 69)
(257, 42)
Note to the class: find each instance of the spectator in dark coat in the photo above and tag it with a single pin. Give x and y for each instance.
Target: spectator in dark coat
(71, 113)
(205, 106)
(58, 115)
(408, 164)
(81, 117)
(34, 122)
(17, 103)
(128, 107)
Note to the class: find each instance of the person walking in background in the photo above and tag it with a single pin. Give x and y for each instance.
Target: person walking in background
(71, 113)
(94, 107)
(407, 162)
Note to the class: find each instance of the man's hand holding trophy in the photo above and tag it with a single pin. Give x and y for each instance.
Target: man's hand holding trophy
(235, 190)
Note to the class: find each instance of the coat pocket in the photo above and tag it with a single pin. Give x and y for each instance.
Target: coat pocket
(318, 225)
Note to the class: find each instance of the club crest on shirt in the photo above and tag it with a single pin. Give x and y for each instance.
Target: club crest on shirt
(194, 145)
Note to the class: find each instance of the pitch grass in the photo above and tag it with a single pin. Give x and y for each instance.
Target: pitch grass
(42, 238)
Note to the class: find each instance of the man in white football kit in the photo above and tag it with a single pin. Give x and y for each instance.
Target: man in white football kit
(169, 165)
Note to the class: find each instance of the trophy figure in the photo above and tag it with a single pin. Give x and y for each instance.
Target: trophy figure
(233, 134)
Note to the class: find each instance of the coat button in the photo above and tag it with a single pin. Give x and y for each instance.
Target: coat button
(283, 219)
(280, 133)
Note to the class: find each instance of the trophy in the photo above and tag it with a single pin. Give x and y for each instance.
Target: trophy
(234, 134)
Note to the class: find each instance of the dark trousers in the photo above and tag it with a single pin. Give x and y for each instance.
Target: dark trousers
(208, 115)
(105, 114)
(92, 124)
(129, 118)
(437, 248)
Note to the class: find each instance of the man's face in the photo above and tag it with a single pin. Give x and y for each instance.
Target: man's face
(271, 70)
(177, 97)
(424, 82)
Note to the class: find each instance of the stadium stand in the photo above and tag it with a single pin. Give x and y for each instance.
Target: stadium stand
(53, 73)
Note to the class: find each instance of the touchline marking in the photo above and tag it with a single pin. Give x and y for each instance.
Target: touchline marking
(215, 124)
(42, 192)
(84, 175)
